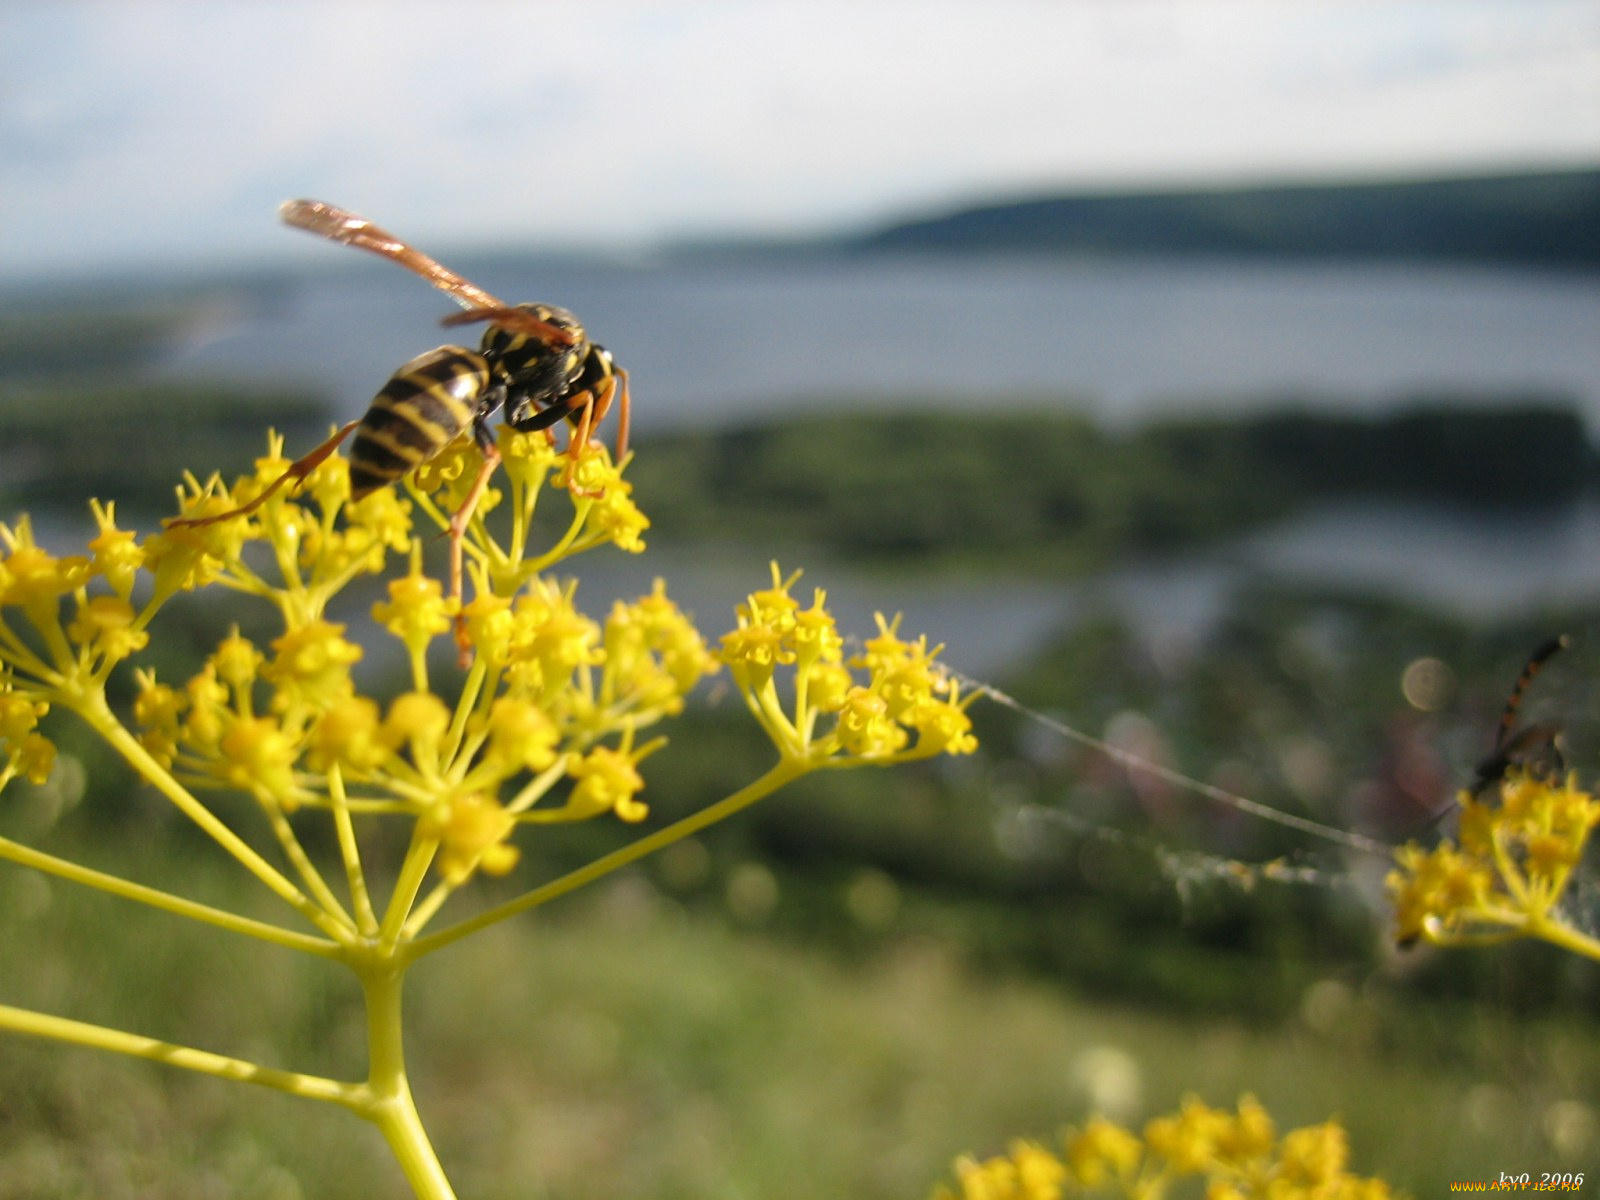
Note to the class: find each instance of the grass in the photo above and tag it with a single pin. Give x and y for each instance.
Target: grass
(622, 1046)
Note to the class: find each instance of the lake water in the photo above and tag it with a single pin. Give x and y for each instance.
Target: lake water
(720, 342)
(1479, 568)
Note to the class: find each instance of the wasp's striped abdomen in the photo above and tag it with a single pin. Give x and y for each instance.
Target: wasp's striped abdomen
(418, 413)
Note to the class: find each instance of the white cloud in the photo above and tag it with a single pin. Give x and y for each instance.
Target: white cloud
(171, 128)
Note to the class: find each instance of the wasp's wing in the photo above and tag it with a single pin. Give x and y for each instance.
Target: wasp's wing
(517, 320)
(340, 225)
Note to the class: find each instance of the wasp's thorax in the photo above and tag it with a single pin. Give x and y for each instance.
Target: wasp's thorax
(533, 367)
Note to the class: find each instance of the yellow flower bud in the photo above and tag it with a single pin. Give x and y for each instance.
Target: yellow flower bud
(237, 661)
(19, 714)
(117, 557)
(348, 734)
(828, 686)
(258, 757)
(385, 516)
(521, 735)
(312, 666)
(35, 579)
(1315, 1156)
(416, 611)
(1103, 1151)
(36, 758)
(865, 728)
(417, 718)
(472, 830)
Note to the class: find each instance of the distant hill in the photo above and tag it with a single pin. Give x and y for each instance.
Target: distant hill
(1550, 219)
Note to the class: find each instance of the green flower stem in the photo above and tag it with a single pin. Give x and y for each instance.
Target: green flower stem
(782, 729)
(419, 857)
(1510, 874)
(289, 842)
(832, 760)
(177, 905)
(787, 770)
(350, 854)
(534, 790)
(472, 690)
(93, 708)
(562, 549)
(48, 623)
(99, 1037)
(424, 912)
(525, 499)
(1476, 940)
(387, 1100)
(17, 652)
(1564, 936)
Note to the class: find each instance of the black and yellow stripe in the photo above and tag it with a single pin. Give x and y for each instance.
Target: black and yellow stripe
(427, 403)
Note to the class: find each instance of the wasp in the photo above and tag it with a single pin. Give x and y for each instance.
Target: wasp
(1533, 748)
(535, 366)
(1536, 747)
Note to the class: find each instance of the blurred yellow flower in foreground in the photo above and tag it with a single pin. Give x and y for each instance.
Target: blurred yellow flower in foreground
(1228, 1155)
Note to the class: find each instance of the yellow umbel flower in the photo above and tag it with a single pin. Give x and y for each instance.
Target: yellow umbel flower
(105, 628)
(863, 710)
(545, 721)
(1102, 1153)
(256, 755)
(521, 736)
(348, 735)
(1519, 846)
(311, 668)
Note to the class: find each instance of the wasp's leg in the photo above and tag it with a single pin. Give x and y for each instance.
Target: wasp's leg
(297, 472)
(614, 388)
(624, 411)
(524, 418)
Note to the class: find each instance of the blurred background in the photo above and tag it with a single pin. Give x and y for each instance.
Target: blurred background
(1220, 379)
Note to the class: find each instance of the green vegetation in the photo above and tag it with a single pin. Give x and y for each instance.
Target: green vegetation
(72, 426)
(1052, 493)
(1546, 220)
(622, 1046)
(59, 444)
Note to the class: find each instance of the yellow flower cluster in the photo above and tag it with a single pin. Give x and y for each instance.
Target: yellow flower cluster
(547, 686)
(67, 640)
(1234, 1155)
(1506, 876)
(545, 725)
(891, 702)
(286, 723)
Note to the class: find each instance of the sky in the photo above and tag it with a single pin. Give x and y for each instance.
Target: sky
(136, 133)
